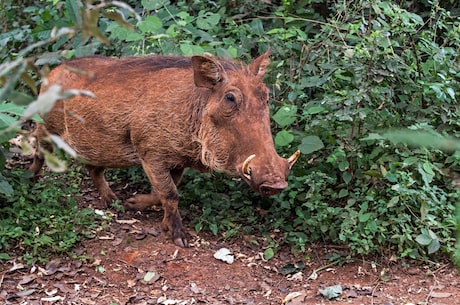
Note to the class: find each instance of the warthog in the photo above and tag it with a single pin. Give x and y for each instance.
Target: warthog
(167, 113)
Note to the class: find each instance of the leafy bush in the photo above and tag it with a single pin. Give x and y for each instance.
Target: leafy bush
(342, 75)
(42, 218)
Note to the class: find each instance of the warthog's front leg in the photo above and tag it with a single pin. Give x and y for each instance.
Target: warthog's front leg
(164, 183)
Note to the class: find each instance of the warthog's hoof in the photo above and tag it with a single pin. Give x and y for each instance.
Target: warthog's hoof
(141, 202)
(107, 197)
(177, 232)
(181, 242)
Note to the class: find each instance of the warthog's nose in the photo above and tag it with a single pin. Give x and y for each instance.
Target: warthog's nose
(269, 189)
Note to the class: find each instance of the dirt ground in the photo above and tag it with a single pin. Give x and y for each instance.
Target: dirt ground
(133, 262)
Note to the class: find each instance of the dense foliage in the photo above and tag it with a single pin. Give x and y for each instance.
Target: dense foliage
(343, 74)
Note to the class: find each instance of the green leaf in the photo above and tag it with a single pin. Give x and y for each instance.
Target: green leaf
(286, 115)
(315, 109)
(373, 173)
(257, 27)
(207, 21)
(344, 165)
(5, 256)
(269, 253)
(292, 268)
(343, 193)
(372, 136)
(5, 188)
(393, 202)
(310, 144)
(63, 145)
(189, 49)
(6, 120)
(283, 138)
(331, 292)
(423, 239)
(90, 28)
(73, 11)
(364, 217)
(214, 229)
(152, 5)
(198, 227)
(119, 18)
(347, 176)
(149, 276)
(315, 81)
(428, 168)
(434, 246)
(151, 24)
(19, 99)
(100, 269)
(54, 163)
(44, 102)
(426, 172)
(419, 138)
(47, 99)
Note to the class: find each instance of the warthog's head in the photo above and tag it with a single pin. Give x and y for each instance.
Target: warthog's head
(235, 129)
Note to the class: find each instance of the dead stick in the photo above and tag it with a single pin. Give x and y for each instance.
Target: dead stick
(1, 279)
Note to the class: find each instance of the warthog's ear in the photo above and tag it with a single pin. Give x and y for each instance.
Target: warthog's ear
(259, 66)
(207, 72)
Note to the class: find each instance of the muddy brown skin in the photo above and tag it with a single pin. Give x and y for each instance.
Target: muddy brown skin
(167, 113)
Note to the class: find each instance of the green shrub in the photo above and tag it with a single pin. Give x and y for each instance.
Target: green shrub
(42, 219)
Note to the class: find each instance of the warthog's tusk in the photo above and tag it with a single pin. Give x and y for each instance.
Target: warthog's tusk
(246, 169)
(292, 159)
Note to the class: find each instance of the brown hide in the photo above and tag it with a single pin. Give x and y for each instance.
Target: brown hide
(168, 113)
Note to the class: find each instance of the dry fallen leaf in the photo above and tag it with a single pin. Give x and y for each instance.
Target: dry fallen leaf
(16, 267)
(87, 301)
(296, 277)
(127, 221)
(195, 289)
(151, 277)
(116, 242)
(313, 276)
(331, 292)
(52, 299)
(25, 293)
(224, 255)
(166, 301)
(440, 295)
(51, 292)
(291, 296)
(131, 283)
(26, 280)
(107, 237)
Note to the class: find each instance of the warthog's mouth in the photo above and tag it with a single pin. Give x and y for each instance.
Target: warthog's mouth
(265, 187)
(270, 189)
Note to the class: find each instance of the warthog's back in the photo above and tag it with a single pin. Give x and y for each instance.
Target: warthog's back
(139, 101)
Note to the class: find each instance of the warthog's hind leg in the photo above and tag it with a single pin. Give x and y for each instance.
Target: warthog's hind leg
(141, 202)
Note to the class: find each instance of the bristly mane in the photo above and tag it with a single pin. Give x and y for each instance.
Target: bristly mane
(155, 62)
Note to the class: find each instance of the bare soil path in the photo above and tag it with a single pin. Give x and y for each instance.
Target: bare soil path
(133, 262)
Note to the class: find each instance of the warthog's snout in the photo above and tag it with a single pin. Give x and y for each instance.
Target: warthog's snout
(270, 189)
(267, 178)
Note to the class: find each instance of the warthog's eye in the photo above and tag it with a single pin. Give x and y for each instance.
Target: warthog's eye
(229, 97)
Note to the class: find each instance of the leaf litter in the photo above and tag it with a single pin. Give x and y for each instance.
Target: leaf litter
(151, 270)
